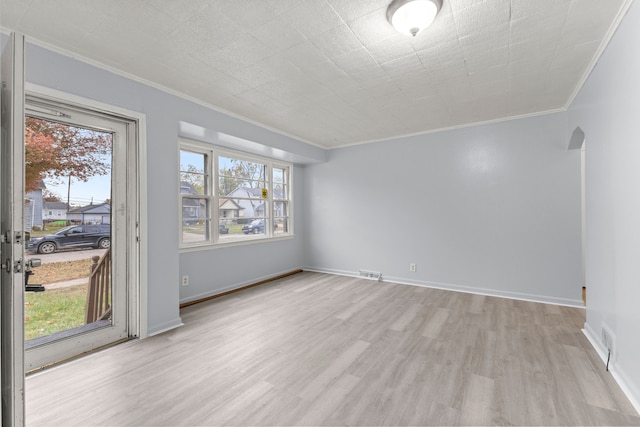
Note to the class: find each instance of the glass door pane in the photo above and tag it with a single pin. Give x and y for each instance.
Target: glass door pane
(68, 219)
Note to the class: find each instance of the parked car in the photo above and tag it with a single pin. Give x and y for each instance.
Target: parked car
(96, 236)
(256, 227)
(222, 229)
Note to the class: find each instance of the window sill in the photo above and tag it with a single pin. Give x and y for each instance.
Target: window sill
(244, 242)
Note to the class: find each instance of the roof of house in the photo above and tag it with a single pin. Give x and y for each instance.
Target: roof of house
(254, 192)
(223, 202)
(187, 188)
(56, 205)
(89, 209)
(186, 202)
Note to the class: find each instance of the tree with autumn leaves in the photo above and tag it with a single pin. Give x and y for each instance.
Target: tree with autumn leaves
(61, 152)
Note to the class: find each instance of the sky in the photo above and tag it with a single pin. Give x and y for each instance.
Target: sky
(97, 188)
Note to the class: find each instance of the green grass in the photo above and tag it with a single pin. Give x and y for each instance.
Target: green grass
(193, 228)
(49, 229)
(235, 228)
(54, 310)
(199, 228)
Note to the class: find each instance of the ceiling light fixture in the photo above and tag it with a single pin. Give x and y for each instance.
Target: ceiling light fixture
(412, 16)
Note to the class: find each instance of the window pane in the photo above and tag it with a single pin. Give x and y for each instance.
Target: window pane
(192, 162)
(191, 184)
(280, 209)
(280, 184)
(235, 174)
(226, 183)
(257, 226)
(278, 176)
(247, 203)
(192, 172)
(194, 220)
(240, 229)
(229, 209)
(281, 218)
(281, 227)
(280, 192)
(226, 227)
(240, 188)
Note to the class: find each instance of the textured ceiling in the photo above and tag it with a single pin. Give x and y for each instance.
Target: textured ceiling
(334, 72)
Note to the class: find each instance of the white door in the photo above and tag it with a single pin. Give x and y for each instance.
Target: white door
(11, 232)
(100, 227)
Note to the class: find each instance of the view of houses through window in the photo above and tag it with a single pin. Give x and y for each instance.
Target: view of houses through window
(228, 196)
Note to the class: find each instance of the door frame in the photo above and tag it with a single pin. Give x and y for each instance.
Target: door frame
(12, 219)
(138, 247)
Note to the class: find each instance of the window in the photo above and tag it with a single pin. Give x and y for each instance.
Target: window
(229, 197)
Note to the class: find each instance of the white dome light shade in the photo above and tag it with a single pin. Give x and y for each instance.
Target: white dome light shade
(412, 16)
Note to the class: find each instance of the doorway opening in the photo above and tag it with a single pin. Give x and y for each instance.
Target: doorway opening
(85, 291)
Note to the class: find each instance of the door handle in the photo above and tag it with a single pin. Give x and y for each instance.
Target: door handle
(34, 262)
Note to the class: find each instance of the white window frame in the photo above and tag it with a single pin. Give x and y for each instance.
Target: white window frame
(211, 194)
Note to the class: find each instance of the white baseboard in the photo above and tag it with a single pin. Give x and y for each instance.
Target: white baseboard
(165, 327)
(460, 288)
(618, 374)
(238, 285)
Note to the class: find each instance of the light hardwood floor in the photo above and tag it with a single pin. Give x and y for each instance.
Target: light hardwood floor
(316, 349)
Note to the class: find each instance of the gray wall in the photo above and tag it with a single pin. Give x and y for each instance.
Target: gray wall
(608, 110)
(210, 270)
(493, 209)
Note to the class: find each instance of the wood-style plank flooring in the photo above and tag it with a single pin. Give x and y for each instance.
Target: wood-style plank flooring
(317, 349)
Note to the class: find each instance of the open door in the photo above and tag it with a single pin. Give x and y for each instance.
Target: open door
(11, 232)
(89, 306)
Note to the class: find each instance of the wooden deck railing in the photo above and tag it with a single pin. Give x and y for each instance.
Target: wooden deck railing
(99, 293)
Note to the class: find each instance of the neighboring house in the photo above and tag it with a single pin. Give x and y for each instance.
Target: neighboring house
(33, 208)
(54, 211)
(252, 208)
(277, 209)
(91, 214)
(230, 209)
(193, 210)
(259, 210)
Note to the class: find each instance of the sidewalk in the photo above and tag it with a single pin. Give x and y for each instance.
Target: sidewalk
(66, 284)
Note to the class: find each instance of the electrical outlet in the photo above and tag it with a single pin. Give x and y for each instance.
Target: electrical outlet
(185, 280)
(412, 267)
